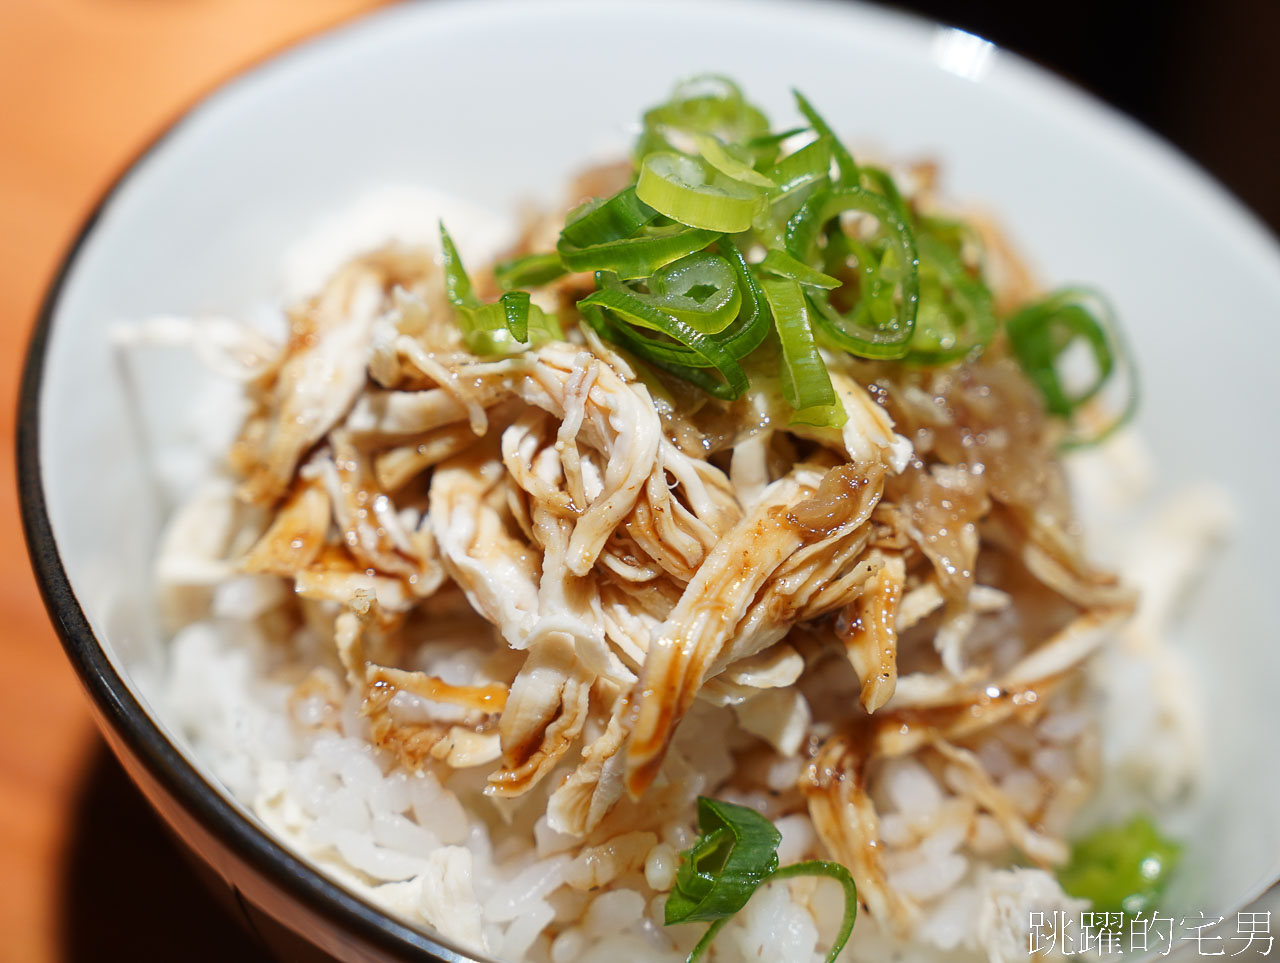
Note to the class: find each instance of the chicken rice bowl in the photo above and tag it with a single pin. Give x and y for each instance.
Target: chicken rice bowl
(710, 557)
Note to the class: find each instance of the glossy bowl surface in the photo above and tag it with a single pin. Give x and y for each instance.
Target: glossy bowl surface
(500, 101)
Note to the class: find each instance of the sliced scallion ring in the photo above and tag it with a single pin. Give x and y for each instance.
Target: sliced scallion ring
(752, 327)
(685, 348)
(881, 324)
(700, 289)
(636, 257)
(846, 167)
(706, 104)
(686, 191)
(719, 157)
(1040, 335)
(955, 315)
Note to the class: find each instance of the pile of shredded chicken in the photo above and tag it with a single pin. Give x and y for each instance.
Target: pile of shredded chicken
(910, 584)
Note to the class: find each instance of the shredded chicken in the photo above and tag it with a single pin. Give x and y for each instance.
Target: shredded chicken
(907, 587)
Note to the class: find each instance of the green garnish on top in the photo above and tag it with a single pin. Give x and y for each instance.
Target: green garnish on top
(736, 853)
(1121, 869)
(733, 239)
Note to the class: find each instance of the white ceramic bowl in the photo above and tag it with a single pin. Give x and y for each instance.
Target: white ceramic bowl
(500, 101)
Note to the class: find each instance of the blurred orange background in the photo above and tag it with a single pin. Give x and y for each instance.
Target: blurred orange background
(84, 85)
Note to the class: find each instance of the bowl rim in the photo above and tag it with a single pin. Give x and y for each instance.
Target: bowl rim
(117, 709)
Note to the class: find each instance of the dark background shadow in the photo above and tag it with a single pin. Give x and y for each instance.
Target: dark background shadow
(1205, 75)
(128, 892)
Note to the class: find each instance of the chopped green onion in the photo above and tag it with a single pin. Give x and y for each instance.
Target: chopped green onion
(848, 265)
(955, 314)
(1121, 869)
(881, 181)
(797, 176)
(457, 283)
(666, 355)
(530, 271)
(805, 382)
(612, 219)
(719, 157)
(501, 327)
(738, 848)
(753, 323)
(822, 867)
(675, 289)
(735, 854)
(683, 189)
(1040, 335)
(515, 308)
(686, 348)
(846, 167)
(737, 341)
(807, 167)
(785, 266)
(635, 257)
(486, 329)
(708, 104)
(606, 236)
(880, 325)
(766, 147)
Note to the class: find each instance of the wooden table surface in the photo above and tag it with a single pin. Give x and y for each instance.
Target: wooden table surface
(85, 873)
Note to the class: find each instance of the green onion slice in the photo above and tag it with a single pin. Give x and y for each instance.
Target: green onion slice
(507, 325)
(766, 147)
(457, 283)
(847, 170)
(955, 314)
(752, 326)
(610, 219)
(719, 157)
(636, 257)
(732, 344)
(737, 852)
(667, 356)
(699, 289)
(882, 322)
(807, 167)
(785, 266)
(797, 176)
(515, 310)
(822, 867)
(805, 382)
(881, 180)
(775, 139)
(615, 311)
(706, 104)
(529, 271)
(683, 189)
(1040, 335)
(738, 848)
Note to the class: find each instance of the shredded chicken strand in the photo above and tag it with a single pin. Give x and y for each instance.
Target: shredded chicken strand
(909, 587)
